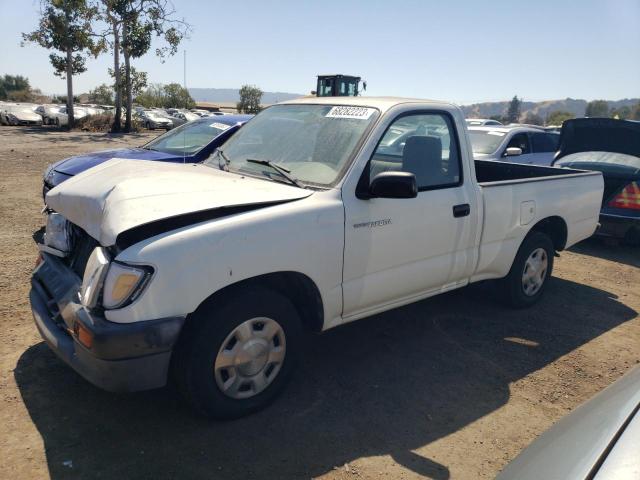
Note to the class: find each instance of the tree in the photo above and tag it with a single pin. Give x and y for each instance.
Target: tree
(173, 95)
(558, 117)
(250, 97)
(102, 94)
(139, 80)
(176, 96)
(63, 99)
(513, 113)
(152, 97)
(134, 23)
(635, 113)
(533, 119)
(11, 83)
(65, 26)
(597, 108)
(622, 113)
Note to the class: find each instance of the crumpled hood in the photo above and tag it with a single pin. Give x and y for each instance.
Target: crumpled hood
(122, 194)
(80, 163)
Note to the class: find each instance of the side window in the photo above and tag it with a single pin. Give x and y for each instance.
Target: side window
(520, 140)
(422, 144)
(544, 142)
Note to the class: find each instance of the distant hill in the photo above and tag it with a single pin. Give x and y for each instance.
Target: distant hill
(231, 95)
(572, 105)
(577, 107)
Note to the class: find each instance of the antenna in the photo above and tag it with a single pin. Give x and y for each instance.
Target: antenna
(184, 84)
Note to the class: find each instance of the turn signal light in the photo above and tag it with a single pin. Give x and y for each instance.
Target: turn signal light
(84, 336)
(629, 197)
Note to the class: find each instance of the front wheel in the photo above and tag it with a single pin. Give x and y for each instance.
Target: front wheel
(237, 353)
(530, 272)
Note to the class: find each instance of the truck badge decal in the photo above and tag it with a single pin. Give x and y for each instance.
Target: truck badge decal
(375, 223)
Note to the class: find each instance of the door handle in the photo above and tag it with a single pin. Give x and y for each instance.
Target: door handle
(461, 210)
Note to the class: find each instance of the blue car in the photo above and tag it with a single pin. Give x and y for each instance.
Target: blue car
(192, 142)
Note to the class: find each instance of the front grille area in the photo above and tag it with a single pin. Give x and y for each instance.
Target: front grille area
(82, 246)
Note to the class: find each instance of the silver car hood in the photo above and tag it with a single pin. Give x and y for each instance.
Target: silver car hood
(121, 194)
(22, 115)
(573, 447)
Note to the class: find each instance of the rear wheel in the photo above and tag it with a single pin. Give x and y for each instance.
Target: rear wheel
(529, 274)
(238, 353)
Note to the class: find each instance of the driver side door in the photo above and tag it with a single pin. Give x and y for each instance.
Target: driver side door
(399, 250)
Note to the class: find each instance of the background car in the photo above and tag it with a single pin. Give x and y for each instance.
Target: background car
(47, 112)
(184, 117)
(600, 440)
(517, 144)
(481, 122)
(61, 117)
(19, 114)
(612, 147)
(190, 143)
(152, 119)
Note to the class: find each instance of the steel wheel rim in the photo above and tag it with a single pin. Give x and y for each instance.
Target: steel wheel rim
(535, 271)
(250, 358)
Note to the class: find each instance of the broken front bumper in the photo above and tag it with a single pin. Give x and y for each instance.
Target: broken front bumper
(121, 357)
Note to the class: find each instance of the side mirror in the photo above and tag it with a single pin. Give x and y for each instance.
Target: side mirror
(394, 185)
(513, 152)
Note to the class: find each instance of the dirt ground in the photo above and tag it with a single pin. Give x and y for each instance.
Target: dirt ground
(451, 387)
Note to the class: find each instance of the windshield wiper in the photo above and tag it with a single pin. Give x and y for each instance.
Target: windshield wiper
(222, 155)
(281, 170)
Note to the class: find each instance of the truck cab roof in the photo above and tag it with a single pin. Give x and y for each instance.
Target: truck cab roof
(381, 103)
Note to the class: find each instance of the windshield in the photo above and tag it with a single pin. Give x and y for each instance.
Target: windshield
(313, 142)
(485, 142)
(188, 138)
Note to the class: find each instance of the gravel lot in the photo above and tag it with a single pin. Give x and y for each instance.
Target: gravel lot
(451, 387)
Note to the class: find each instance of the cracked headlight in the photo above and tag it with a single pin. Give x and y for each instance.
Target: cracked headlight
(93, 278)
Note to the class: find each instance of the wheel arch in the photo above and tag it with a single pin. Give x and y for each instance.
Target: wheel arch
(297, 287)
(555, 228)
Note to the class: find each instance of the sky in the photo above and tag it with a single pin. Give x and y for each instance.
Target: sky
(456, 50)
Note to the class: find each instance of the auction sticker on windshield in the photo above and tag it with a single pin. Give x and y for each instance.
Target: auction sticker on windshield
(220, 126)
(360, 113)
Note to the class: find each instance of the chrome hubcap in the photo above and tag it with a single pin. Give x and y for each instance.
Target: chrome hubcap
(535, 271)
(250, 358)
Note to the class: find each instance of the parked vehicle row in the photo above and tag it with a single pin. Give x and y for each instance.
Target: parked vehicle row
(316, 213)
(56, 114)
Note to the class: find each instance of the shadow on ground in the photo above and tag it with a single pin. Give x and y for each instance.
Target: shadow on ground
(387, 385)
(609, 249)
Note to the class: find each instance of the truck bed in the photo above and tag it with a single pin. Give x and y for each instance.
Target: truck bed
(515, 197)
(491, 172)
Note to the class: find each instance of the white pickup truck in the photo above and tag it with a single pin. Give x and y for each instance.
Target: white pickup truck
(316, 213)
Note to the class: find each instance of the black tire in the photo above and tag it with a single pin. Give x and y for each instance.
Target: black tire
(57, 122)
(204, 335)
(512, 289)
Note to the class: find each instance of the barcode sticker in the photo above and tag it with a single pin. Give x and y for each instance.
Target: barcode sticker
(220, 126)
(360, 113)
